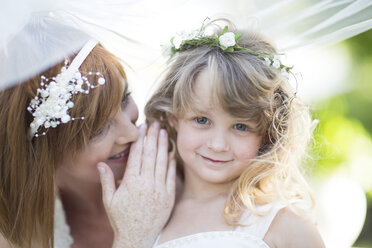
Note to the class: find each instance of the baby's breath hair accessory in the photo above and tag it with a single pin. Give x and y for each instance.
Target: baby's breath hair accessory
(52, 102)
(227, 41)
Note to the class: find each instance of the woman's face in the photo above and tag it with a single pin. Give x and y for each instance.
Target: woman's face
(110, 144)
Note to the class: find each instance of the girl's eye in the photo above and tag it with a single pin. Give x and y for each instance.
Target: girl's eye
(241, 127)
(202, 120)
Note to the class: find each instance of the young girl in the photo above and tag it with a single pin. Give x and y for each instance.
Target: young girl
(239, 133)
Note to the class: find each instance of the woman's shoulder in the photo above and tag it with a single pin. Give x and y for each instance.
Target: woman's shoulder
(293, 229)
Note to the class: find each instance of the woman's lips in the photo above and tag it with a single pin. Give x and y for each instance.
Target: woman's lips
(120, 157)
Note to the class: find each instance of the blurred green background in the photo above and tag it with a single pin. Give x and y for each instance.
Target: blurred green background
(343, 135)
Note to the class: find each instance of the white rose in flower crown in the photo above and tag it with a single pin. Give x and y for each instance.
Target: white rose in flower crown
(227, 39)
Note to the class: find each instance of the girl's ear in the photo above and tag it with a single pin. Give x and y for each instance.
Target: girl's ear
(173, 121)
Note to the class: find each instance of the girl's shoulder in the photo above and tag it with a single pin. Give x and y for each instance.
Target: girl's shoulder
(291, 228)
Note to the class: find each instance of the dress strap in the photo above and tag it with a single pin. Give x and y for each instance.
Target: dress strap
(259, 225)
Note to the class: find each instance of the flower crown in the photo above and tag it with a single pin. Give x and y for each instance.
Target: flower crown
(52, 102)
(226, 41)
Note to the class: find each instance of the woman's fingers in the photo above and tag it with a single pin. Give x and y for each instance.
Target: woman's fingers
(171, 178)
(107, 182)
(161, 159)
(150, 151)
(135, 156)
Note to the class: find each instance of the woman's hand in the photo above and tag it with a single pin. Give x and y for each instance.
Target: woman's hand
(141, 205)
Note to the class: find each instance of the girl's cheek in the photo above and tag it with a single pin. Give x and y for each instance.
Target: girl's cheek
(246, 152)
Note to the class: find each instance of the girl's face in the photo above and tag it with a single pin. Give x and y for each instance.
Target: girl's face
(110, 145)
(214, 146)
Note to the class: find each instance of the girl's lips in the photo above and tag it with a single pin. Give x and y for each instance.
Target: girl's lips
(215, 161)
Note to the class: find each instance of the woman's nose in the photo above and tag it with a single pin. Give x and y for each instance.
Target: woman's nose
(133, 113)
(127, 125)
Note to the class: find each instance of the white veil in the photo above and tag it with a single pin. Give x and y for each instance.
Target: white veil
(36, 34)
(299, 23)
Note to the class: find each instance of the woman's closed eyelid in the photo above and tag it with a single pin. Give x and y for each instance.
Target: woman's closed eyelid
(102, 130)
(97, 134)
(125, 100)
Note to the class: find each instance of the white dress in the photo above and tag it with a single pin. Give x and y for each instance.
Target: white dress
(249, 234)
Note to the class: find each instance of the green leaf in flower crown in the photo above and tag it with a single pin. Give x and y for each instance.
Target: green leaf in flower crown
(222, 47)
(237, 36)
(226, 28)
(230, 49)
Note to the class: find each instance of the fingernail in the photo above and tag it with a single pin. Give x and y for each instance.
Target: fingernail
(101, 170)
(143, 127)
(163, 133)
(156, 124)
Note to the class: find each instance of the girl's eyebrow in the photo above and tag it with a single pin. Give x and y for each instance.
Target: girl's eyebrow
(242, 120)
(202, 111)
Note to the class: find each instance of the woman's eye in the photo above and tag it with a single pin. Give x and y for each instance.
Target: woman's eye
(101, 131)
(125, 100)
(241, 127)
(98, 133)
(202, 120)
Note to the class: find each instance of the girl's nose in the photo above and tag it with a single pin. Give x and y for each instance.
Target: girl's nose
(217, 142)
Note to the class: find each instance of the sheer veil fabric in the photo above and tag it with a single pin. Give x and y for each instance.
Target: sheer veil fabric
(36, 34)
(300, 23)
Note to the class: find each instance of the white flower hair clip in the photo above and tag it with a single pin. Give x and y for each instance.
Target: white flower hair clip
(226, 41)
(52, 102)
